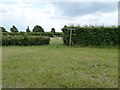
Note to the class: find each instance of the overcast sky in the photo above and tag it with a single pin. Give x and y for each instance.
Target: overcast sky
(57, 13)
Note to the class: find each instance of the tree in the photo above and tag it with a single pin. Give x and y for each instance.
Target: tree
(53, 31)
(38, 28)
(3, 29)
(13, 29)
(64, 29)
(27, 30)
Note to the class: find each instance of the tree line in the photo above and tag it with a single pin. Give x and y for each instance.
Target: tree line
(36, 31)
(36, 28)
(72, 35)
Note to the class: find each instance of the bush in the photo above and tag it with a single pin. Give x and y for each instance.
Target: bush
(53, 30)
(38, 28)
(12, 33)
(97, 36)
(49, 34)
(3, 29)
(24, 40)
(59, 34)
(13, 29)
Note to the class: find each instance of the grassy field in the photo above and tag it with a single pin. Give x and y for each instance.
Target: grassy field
(59, 66)
(0, 67)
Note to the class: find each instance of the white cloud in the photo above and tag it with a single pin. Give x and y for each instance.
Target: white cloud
(23, 13)
(98, 19)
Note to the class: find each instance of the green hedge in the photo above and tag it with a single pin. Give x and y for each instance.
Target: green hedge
(24, 40)
(49, 34)
(59, 34)
(97, 36)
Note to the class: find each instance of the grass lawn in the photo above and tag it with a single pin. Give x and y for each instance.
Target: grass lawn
(59, 66)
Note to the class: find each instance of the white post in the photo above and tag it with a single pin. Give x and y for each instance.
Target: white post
(70, 43)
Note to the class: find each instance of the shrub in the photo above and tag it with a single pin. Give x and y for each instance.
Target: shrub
(3, 29)
(38, 28)
(28, 30)
(59, 34)
(13, 29)
(49, 34)
(53, 30)
(24, 40)
(92, 35)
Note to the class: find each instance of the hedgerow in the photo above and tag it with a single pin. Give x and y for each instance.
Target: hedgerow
(24, 40)
(49, 34)
(93, 35)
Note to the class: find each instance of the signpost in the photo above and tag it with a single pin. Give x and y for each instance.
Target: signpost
(70, 42)
(71, 31)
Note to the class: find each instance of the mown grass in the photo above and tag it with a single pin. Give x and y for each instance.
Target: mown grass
(59, 66)
(0, 67)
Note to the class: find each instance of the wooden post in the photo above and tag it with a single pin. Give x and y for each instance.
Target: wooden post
(70, 42)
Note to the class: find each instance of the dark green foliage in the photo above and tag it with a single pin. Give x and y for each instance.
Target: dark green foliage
(59, 34)
(28, 30)
(3, 29)
(49, 34)
(119, 33)
(13, 29)
(93, 35)
(24, 40)
(38, 28)
(13, 33)
(53, 31)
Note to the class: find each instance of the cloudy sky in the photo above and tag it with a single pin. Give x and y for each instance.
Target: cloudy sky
(57, 13)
